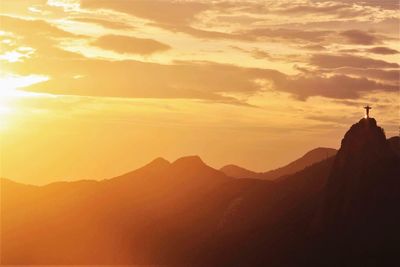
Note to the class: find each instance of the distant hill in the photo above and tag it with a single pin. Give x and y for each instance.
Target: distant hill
(235, 171)
(311, 157)
(339, 211)
(160, 207)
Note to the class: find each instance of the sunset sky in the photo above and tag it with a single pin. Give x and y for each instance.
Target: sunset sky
(91, 89)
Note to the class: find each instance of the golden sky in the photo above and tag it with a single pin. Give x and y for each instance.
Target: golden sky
(94, 88)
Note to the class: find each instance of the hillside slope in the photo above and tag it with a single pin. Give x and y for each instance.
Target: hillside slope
(308, 159)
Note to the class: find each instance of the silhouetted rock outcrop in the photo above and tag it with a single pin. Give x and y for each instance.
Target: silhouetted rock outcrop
(360, 209)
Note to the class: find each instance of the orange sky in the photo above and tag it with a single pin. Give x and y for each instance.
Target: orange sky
(95, 88)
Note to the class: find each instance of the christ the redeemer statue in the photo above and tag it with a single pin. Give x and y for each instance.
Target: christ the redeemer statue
(367, 108)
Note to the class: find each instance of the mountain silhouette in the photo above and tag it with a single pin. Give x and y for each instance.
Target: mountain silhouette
(360, 213)
(339, 211)
(311, 157)
(394, 143)
(107, 222)
(239, 172)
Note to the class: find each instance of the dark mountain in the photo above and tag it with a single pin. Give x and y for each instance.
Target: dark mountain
(155, 214)
(235, 171)
(341, 211)
(311, 157)
(394, 143)
(163, 213)
(360, 210)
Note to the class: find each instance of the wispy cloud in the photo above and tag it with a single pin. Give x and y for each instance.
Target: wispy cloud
(360, 37)
(107, 23)
(129, 44)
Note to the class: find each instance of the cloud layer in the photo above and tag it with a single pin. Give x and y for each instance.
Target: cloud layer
(211, 50)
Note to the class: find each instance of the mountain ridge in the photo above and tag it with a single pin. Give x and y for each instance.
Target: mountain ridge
(187, 213)
(313, 156)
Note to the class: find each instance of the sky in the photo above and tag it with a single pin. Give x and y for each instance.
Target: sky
(92, 89)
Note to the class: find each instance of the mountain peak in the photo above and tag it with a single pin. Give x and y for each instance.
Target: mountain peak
(194, 167)
(189, 161)
(155, 166)
(158, 163)
(363, 140)
(160, 160)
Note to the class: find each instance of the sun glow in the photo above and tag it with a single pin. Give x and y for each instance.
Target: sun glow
(12, 56)
(9, 92)
(18, 54)
(10, 83)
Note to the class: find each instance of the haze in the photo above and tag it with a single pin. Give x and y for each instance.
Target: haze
(92, 89)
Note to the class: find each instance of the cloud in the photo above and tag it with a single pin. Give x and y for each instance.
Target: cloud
(178, 16)
(161, 11)
(360, 37)
(128, 78)
(337, 86)
(199, 33)
(257, 53)
(256, 34)
(40, 35)
(392, 76)
(340, 76)
(382, 50)
(203, 19)
(350, 51)
(105, 23)
(287, 34)
(30, 28)
(313, 47)
(384, 4)
(335, 118)
(129, 44)
(314, 8)
(190, 80)
(260, 54)
(333, 61)
(174, 16)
